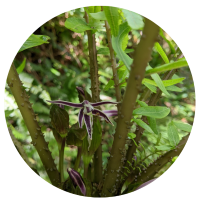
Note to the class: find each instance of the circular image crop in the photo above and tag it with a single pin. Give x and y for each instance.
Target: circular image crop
(99, 101)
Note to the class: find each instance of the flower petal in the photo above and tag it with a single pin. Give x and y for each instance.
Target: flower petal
(80, 90)
(110, 112)
(77, 180)
(102, 103)
(71, 104)
(88, 125)
(101, 114)
(80, 118)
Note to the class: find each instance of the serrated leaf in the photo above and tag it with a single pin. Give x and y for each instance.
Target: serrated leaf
(21, 66)
(134, 20)
(164, 147)
(150, 87)
(143, 125)
(117, 43)
(169, 42)
(172, 134)
(98, 16)
(112, 17)
(77, 25)
(167, 67)
(183, 126)
(165, 82)
(152, 111)
(159, 49)
(174, 88)
(158, 81)
(34, 40)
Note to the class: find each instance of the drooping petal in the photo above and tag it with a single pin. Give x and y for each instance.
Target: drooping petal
(110, 112)
(80, 91)
(145, 184)
(88, 125)
(101, 114)
(102, 103)
(77, 180)
(80, 118)
(71, 104)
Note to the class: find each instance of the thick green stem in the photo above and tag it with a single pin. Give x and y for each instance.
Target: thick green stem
(113, 61)
(95, 96)
(33, 127)
(78, 159)
(141, 59)
(61, 159)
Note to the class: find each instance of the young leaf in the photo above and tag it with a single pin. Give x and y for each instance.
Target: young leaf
(134, 20)
(172, 134)
(169, 43)
(174, 88)
(98, 16)
(112, 17)
(164, 147)
(151, 111)
(150, 87)
(161, 52)
(117, 44)
(167, 67)
(143, 125)
(21, 66)
(183, 126)
(77, 25)
(34, 40)
(142, 104)
(158, 81)
(132, 135)
(109, 85)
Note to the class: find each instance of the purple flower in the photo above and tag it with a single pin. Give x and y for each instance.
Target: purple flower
(77, 180)
(87, 111)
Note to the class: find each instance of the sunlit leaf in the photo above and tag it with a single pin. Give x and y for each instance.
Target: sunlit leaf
(34, 40)
(134, 20)
(151, 111)
(172, 134)
(161, 52)
(132, 135)
(150, 87)
(183, 126)
(164, 147)
(21, 66)
(143, 125)
(174, 88)
(109, 85)
(112, 17)
(98, 16)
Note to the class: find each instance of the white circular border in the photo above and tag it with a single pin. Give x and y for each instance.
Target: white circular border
(20, 18)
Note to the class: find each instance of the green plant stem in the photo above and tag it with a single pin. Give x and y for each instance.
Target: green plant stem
(113, 61)
(33, 127)
(61, 159)
(141, 59)
(95, 96)
(78, 159)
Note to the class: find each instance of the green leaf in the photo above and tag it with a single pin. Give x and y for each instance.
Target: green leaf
(153, 125)
(164, 147)
(129, 50)
(112, 17)
(134, 20)
(77, 25)
(109, 85)
(174, 88)
(21, 66)
(104, 51)
(98, 16)
(142, 104)
(132, 135)
(117, 43)
(167, 67)
(161, 52)
(183, 126)
(169, 43)
(165, 82)
(150, 87)
(151, 111)
(158, 81)
(143, 125)
(172, 134)
(34, 40)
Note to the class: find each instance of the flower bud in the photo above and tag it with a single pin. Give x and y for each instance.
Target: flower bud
(59, 120)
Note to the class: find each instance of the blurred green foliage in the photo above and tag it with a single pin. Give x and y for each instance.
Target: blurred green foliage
(53, 70)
